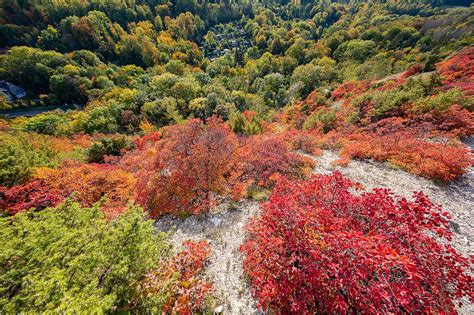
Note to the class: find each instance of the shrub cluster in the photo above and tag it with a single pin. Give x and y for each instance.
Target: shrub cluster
(441, 161)
(72, 259)
(193, 164)
(322, 246)
(178, 286)
(84, 183)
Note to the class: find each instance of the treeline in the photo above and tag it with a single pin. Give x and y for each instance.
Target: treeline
(83, 58)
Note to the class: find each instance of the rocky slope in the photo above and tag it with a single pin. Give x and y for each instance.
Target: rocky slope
(223, 227)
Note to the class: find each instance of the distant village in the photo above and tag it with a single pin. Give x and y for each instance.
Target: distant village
(11, 91)
(223, 38)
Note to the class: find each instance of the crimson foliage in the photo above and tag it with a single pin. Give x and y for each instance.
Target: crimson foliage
(192, 163)
(35, 194)
(268, 155)
(321, 247)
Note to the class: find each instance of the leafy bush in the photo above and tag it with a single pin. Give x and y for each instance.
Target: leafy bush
(455, 122)
(162, 112)
(85, 183)
(113, 146)
(178, 287)
(246, 123)
(413, 70)
(20, 153)
(321, 247)
(440, 102)
(35, 194)
(103, 119)
(439, 161)
(457, 71)
(302, 140)
(190, 165)
(89, 183)
(71, 259)
(48, 124)
(322, 118)
(267, 156)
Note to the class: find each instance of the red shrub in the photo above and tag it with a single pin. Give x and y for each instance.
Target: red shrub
(302, 140)
(89, 183)
(314, 100)
(349, 89)
(86, 183)
(184, 294)
(455, 122)
(268, 155)
(415, 69)
(458, 71)
(195, 163)
(35, 194)
(147, 140)
(433, 160)
(189, 167)
(318, 247)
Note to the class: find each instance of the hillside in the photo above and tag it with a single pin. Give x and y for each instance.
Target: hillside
(237, 157)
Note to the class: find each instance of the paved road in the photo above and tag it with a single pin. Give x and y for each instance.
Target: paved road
(33, 111)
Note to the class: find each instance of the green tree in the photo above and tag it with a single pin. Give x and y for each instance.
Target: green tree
(48, 123)
(49, 39)
(356, 49)
(107, 146)
(162, 111)
(71, 259)
(20, 153)
(103, 119)
(309, 75)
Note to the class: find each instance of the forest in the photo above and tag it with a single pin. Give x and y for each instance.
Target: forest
(171, 157)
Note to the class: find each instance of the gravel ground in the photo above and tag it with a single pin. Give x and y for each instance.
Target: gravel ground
(222, 228)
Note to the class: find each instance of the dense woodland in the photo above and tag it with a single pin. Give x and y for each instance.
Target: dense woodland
(189, 104)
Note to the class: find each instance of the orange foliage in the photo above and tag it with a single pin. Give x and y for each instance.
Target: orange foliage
(415, 69)
(434, 160)
(89, 183)
(186, 294)
(456, 122)
(302, 140)
(65, 144)
(34, 194)
(349, 89)
(189, 167)
(268, 155)
(458, 71)
(194, 165)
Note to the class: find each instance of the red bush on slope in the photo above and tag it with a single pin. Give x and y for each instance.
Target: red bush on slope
(439, 161)
(180, 280)
(458, 71)
(318, 247)
(35, 194)
(194, 163)
(401, 121)
(87, 183)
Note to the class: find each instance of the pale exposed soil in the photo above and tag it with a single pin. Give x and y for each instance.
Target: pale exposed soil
(223, 228)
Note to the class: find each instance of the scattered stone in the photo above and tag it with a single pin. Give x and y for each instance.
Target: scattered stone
(216, 221)
(219, 309)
